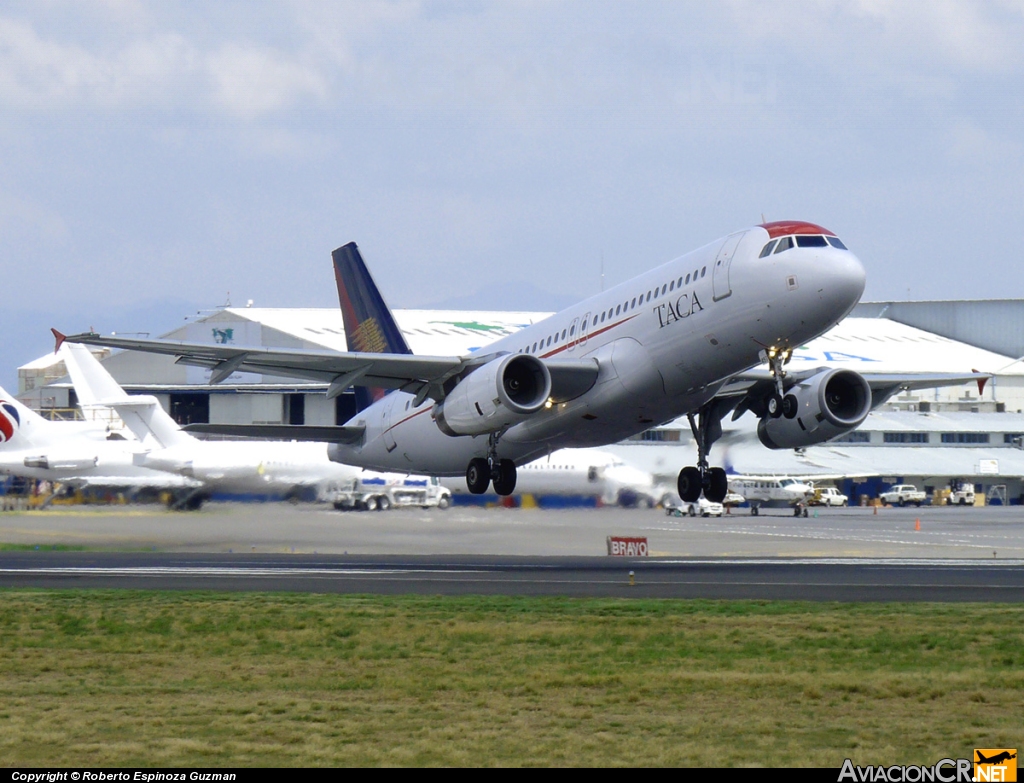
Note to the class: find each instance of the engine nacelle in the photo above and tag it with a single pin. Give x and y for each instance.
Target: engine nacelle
(494, 397)
(829, 404)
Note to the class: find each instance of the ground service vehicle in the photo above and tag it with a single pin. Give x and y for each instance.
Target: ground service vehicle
(902, 495)
(960, 494)
(701, 506)
(373, 491)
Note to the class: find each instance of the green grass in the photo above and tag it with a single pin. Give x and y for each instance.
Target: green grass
(97, 678)
(41, 548)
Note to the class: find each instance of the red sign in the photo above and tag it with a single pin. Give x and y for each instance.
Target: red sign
(627, 547)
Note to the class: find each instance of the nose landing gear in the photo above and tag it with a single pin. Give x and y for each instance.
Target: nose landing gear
(482, 472)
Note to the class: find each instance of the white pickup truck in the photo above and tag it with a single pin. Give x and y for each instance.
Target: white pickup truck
(902, 495)
(828, 496)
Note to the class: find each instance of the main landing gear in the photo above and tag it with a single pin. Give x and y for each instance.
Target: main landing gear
(713, 482)
(481, 472)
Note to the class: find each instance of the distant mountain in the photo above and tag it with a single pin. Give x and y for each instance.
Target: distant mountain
(27, 332)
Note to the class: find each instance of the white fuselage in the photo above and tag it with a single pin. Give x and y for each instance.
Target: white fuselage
(79, 453)
(577, 472)
(262, 467)
(665, 342)
(771, 490)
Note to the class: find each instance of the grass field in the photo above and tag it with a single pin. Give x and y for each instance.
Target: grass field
(149, 678)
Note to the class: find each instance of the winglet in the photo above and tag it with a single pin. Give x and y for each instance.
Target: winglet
(59, 338)
(981, 383)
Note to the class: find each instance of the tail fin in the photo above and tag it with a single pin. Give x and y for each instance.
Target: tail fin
(369, 325)
(19, 424)
(142, 414)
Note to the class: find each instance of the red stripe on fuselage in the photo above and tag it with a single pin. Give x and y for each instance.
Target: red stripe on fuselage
(591, 336)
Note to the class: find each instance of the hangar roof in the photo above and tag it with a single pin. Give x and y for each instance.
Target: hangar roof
(428, 332)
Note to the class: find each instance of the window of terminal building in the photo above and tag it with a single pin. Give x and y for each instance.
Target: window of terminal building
(657, 436)
(906, 437)
(1013, 438)
(854, 437)
(296, 408)
(191, 408)
(965, 437)
(344, 407)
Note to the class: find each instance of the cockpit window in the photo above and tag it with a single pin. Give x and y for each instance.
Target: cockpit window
(784, 244)
(767, 249)
(837, 242)
(812, 241)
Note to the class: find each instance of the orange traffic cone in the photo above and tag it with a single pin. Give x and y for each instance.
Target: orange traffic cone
(917, 524)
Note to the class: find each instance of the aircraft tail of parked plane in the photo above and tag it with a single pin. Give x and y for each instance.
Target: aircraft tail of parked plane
(369, 325)
(142, 413)
(20, 426)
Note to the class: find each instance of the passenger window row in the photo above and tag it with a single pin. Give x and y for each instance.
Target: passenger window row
(625, 307)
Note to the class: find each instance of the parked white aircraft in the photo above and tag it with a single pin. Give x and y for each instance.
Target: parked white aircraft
(79, 453)
(582, 472)
(263, 467)
(683, 338)
(772, 490)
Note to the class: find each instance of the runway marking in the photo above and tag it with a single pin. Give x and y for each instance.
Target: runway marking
(229, 572)
(864, 538)
(446, 577)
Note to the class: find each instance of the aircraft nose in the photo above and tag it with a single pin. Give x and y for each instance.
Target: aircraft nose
(849, 280)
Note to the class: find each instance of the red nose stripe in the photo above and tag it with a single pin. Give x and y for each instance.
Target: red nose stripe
(782, 228)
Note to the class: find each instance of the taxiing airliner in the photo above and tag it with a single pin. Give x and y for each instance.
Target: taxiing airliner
(684, 338)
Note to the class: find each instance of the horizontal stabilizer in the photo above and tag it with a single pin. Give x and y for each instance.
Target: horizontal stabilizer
(350, 435)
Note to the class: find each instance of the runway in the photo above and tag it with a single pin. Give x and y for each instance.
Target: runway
(940, 554)
(282, 528)
(819, 579)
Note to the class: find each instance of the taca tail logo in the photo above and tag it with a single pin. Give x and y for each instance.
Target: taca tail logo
(9, 421)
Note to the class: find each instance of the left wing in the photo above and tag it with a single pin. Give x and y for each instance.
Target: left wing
(307, 432)
(388, 371)
(425, 376)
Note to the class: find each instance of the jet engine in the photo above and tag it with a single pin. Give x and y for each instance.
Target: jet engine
(820, 408)
(495, 396)
(59, 462)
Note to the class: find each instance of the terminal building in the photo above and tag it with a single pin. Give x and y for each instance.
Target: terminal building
(925, 437)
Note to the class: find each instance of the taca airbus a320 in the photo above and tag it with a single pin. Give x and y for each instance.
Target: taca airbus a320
(685, 338)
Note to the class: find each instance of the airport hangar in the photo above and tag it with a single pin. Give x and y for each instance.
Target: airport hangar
(926, 437)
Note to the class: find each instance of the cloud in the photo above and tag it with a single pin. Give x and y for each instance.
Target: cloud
(163, 71)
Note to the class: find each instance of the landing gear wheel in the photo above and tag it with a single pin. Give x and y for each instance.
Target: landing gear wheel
(478, 476)
(689, 484)
(718, 485)
(790, 406)
(775, 406)
(505, 483)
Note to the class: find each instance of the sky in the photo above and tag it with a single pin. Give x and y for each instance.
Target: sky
(159, 159)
